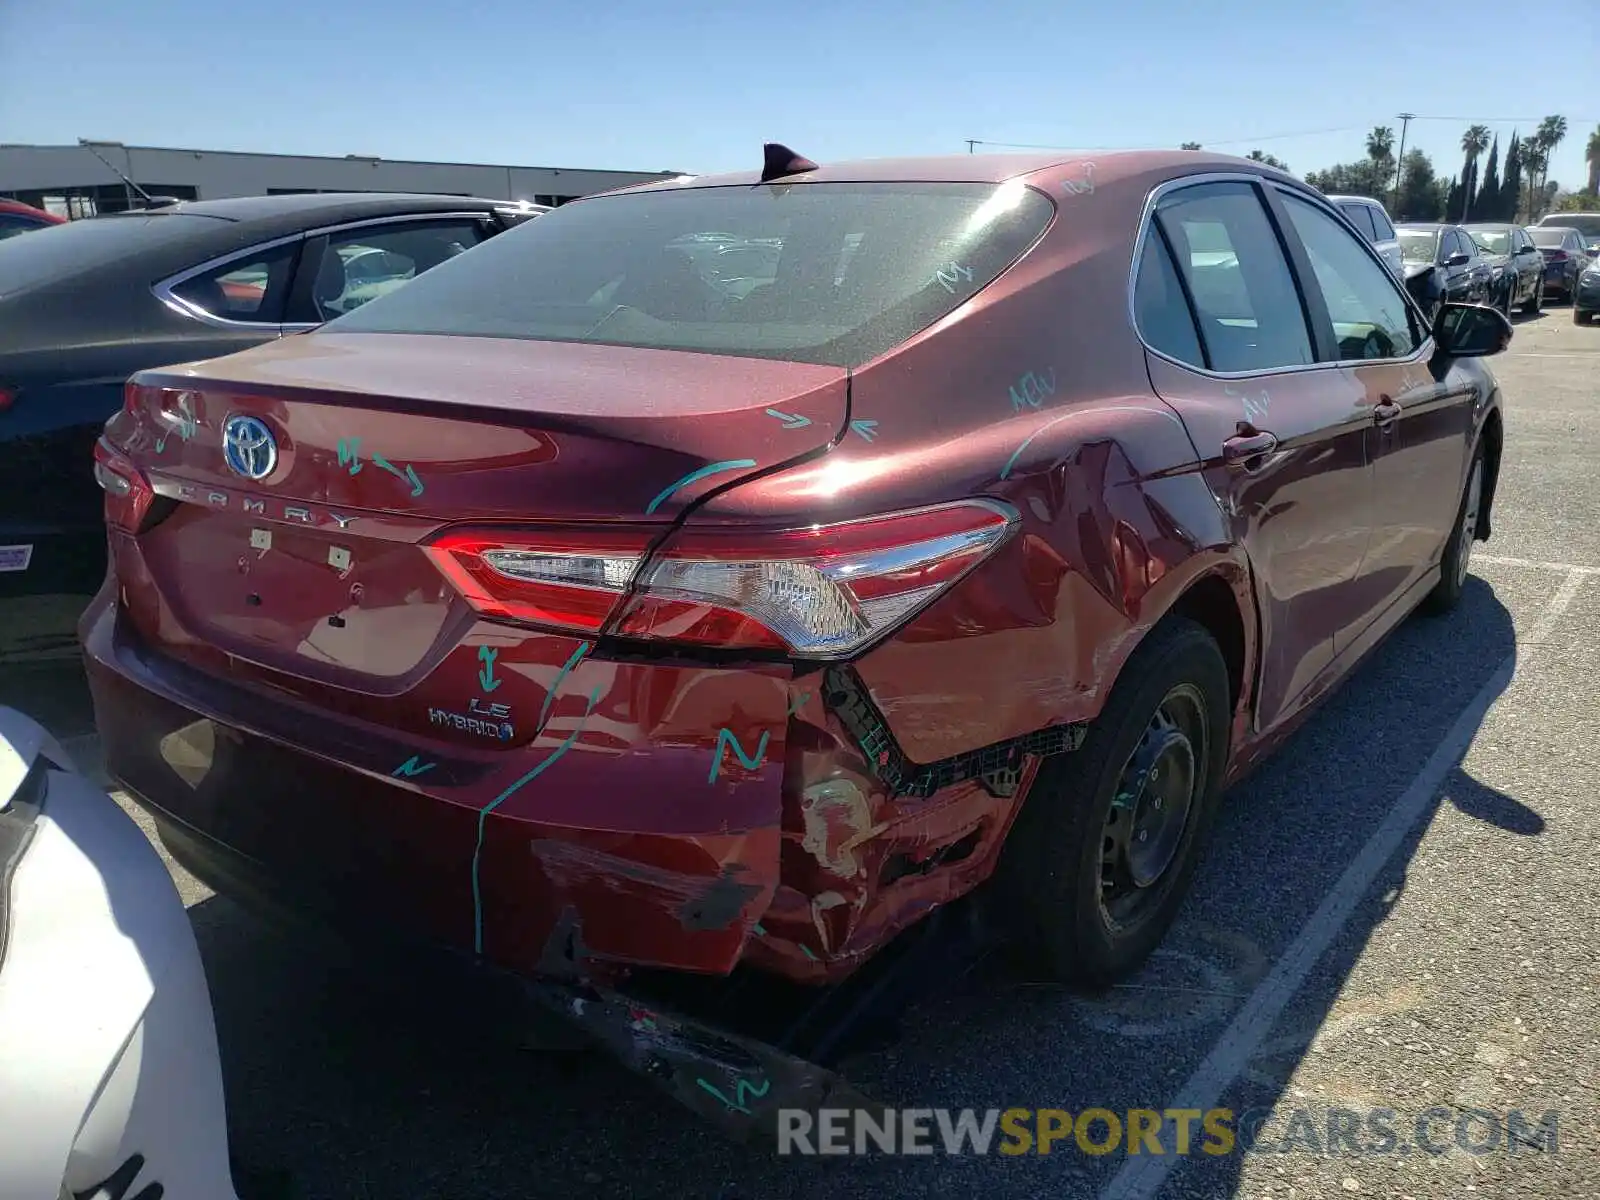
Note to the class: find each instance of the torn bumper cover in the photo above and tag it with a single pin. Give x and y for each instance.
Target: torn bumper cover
(737, 1083)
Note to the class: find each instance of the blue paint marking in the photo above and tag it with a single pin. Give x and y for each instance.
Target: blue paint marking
(867, 429)
(732, 464)
(412, 766)
(187, 425)
(790, 420)
(550, 695)
(725, 739)
(350, 456)
(1012, 461)
(486, 679)
(1030, 391)
(483, 815)
(745, 1088)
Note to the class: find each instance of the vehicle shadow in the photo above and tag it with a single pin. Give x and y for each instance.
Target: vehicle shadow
(364, 1081)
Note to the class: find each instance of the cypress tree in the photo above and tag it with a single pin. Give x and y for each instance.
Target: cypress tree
(1511, 186)
(1486, 204)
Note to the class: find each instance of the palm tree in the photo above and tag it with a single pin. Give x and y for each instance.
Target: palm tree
(1474, 142)
(1380, 143)
(1552, 131)
(1190, 146)
(1534, 161)
(1591, 155)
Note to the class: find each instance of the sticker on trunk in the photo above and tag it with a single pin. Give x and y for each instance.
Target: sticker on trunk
(16, 558)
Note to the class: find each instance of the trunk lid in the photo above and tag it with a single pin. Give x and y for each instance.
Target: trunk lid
(312, 567)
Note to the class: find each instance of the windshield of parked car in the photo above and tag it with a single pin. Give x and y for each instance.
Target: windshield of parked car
(831, 273)
(1418, 245)
(57, 251)
(1495, 241)
(1550, 236)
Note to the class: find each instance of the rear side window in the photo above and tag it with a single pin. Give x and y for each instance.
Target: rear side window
(1380, 223)
(250, 288)
(1165, 320)
(1361, 217)
(833, 273)
(1249, 311)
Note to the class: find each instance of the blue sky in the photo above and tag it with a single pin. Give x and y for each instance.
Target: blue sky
(698, 85)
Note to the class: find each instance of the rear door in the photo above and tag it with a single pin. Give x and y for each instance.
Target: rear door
(1419, 427)
(1283, 439)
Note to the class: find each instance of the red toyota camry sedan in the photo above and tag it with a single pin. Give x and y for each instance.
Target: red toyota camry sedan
(734, 569)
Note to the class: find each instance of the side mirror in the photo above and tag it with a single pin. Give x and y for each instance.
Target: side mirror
(1471, 331)
(1458, 259)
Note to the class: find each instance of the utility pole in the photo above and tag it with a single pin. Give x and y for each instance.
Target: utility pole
(1400, 159)
(971, 143)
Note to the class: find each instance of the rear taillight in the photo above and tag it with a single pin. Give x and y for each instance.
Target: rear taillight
(128, 493)
(562, 579)
(8, 397)
(1558, 256)
(824, 591)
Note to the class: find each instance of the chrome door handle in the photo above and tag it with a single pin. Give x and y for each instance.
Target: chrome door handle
(1248, 445)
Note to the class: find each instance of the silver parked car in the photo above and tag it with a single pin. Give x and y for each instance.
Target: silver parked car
(1372, 222)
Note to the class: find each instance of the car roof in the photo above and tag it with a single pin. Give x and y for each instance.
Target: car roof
(972, 168)
(1427, 226)
(1491, 225)
(323, 207)
(1355, 200)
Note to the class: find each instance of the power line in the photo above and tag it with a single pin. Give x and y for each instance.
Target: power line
(1510, 120)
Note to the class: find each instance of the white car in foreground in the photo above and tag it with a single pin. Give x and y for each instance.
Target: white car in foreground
(110, 1086)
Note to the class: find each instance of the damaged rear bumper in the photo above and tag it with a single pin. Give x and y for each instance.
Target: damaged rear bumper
(736, 1082)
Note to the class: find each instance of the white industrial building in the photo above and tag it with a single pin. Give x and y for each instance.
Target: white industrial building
(76, 181)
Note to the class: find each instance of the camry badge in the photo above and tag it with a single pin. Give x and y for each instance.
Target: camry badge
(249, 447)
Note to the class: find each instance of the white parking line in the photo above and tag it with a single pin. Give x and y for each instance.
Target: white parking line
(1533, 354)
(1564, 568)
(1141, 1178)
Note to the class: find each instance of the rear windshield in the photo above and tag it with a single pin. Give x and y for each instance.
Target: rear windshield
(62, 250)
(1586, 224)
(1418, 245)
(1550, 235)
(831, 273)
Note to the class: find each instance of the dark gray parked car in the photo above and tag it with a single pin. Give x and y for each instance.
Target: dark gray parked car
(85, 304)
(1518, 265)
(1565, 257)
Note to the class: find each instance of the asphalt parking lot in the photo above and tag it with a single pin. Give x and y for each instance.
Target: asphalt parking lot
(1380, 924)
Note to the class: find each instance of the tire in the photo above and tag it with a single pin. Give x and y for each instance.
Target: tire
(1505, 304)
(1457, 559)
(1173, 693)
(1535, 301)
(1581, 316)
